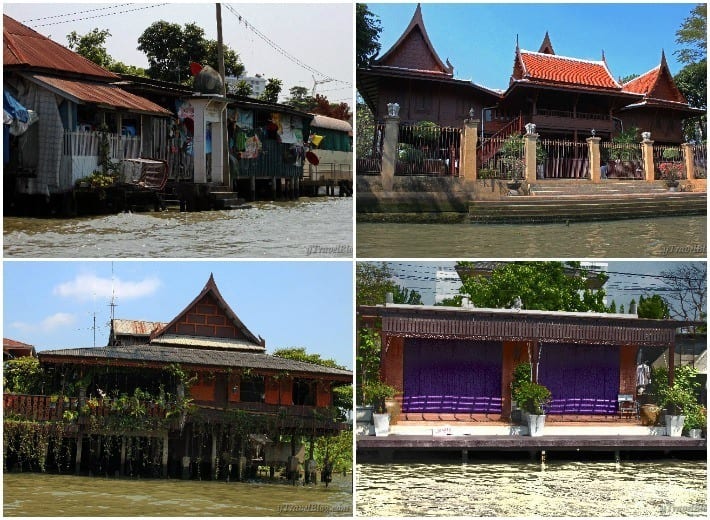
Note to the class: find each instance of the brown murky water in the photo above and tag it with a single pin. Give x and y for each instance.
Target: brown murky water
(518, 489)
(316, 227)
(670, 237)
(32, 494)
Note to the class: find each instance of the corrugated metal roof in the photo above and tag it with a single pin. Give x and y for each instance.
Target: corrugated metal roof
(98, 93)
(204, 342)
(330, 123)
(135, 327)
(7, 342)
(188, 356)
(25, 47)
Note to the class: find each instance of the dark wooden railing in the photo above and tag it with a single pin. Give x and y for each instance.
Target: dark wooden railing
(489, 147)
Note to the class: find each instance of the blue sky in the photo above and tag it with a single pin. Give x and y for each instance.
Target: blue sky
(289, 304)
(328, 50)
(479, 39)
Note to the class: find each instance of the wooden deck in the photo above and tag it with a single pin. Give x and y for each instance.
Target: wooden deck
(382, 449)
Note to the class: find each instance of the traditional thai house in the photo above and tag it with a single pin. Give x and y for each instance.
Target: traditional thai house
(458, 362)
(82, 117)
(564, 96)
(201, 382)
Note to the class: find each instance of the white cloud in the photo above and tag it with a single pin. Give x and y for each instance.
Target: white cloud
(86, 287)
(50, 323)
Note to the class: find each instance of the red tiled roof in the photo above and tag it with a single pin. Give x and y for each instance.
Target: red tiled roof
(11, 343)
(550, 68)
(101, 94)
(657, 83)
(644, 83)
(25, 47)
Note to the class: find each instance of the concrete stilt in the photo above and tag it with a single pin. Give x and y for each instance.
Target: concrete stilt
(164, 462)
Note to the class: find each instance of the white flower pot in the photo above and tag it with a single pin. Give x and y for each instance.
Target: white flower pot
(536, 423)
(695, 433)
(674, 425)
(382, 423)
(363, 414)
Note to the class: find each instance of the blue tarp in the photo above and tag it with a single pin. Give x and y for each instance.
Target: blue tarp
(15, 111)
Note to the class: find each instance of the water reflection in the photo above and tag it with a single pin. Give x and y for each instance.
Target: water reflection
(528, 489)
(679, 237)
(63, 495)
(310, 227)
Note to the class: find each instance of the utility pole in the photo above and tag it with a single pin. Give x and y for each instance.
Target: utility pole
(226, 177)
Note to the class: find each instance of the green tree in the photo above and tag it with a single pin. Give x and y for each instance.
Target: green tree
(692, 79)
(272, 90)
(653, 307)
(242, 88)
(338, 449)
(121, 68)
(612, 307)
(23, 375)
(626, 79)
(365, 130)
(367, 35)
(300, 99)
(551, 286)
(693, 34)
(372, 282)
(91, 46)
(406, 296)
(171, 48)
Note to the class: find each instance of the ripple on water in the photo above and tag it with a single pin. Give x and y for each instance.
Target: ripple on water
(309, 227)
(519, 489)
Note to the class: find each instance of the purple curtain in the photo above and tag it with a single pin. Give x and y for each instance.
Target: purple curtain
(449, 376)
(583, 379)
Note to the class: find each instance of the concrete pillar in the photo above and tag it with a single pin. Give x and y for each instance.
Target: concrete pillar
(530, 158)
(595, 169)
(185, 468)
(213, 457)
(689, 160)
(647, 157)
(79, 446)
(389, 152)
(468, 169)
(123, 456)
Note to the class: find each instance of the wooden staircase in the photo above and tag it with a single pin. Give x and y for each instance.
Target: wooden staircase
(491, 146)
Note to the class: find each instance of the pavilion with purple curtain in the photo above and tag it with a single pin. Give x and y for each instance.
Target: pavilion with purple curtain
(460, 361)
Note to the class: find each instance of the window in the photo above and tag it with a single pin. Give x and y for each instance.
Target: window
(252, 389)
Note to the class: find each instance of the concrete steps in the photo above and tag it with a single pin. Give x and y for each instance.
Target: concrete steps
(550, 429)
(225, 200)
(569, 208)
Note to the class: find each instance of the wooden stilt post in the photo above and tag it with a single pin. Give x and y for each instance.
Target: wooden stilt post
(79, 446)
(252, 188)
(213, 456)
(122, 470)
(164, 463)
(273, 188)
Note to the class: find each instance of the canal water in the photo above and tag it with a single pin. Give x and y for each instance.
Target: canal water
(33, 494)
(679, 237)
(520, 489)
(309, 227)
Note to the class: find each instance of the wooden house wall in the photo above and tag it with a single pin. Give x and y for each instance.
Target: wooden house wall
(204, 389)
(666, 126)
(446, 105)
(206, 319)
(323, 394)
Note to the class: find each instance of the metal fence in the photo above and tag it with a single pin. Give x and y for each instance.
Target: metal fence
(369, 152)
(621, 160)
(502, 158)
(428, 150)
(700, 160)
(668, 162)
(558, 159)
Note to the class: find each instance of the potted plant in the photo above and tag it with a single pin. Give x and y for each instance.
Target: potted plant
(532, 398)
(676, 400)
(375, 394)
(521, 374)
(624, 153)
(695, 421)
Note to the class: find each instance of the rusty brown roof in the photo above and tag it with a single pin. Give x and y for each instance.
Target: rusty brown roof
(135, 327)
(98, 93)
(26, 48)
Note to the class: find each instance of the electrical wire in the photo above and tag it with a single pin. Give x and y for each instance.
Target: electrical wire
(141, 8)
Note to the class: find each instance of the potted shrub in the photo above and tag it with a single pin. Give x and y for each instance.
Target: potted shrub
(676, 400)
(695, 421)
(625, 153)
(375, 393)
(521, 374)
(532, 398)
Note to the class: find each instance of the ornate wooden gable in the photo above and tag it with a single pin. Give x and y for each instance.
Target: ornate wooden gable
(414, 51)
(209, 322)
(657, 84)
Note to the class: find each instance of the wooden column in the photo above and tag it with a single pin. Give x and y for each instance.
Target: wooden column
(79, 446)
(164, 462)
